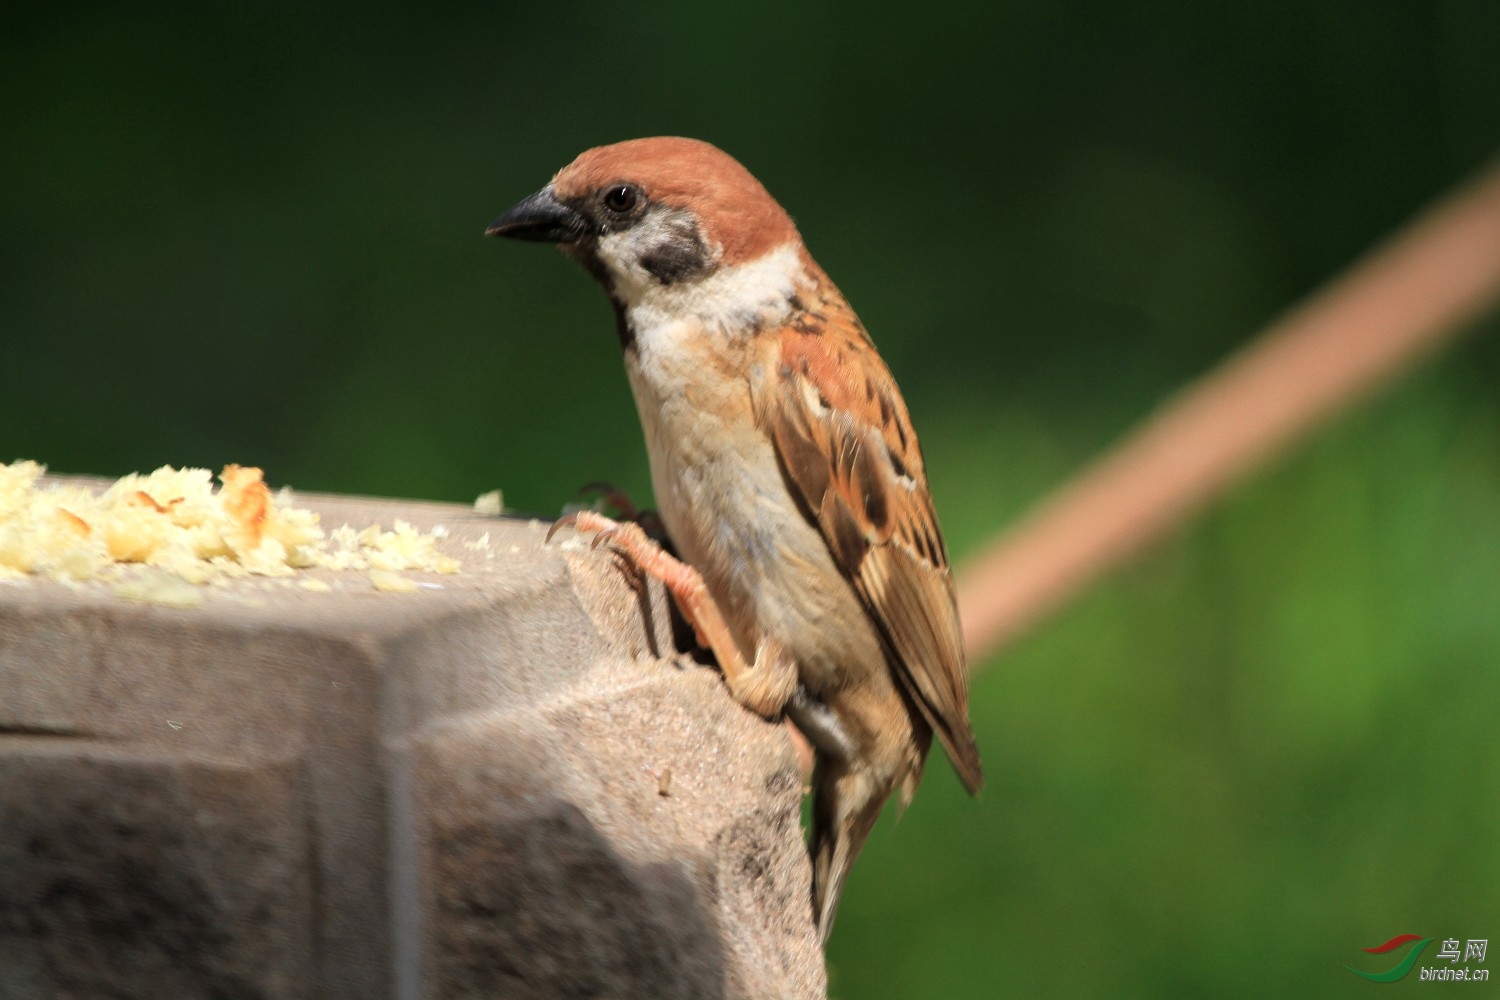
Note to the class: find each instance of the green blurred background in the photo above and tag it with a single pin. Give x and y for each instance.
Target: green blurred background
(251, 233)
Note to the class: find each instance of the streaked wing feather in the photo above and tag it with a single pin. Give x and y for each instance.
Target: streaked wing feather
(844, 438)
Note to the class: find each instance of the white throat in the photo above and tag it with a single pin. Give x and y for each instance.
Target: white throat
(728, 300)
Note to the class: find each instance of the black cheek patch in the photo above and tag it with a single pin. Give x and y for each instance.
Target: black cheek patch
(680, 256)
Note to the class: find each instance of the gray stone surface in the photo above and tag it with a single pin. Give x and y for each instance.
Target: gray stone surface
(494, 788)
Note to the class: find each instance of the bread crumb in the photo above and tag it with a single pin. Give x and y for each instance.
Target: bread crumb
(490, 504)
(160, 533)
(391, 583)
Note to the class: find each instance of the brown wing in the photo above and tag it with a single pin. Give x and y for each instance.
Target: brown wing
(845, 442)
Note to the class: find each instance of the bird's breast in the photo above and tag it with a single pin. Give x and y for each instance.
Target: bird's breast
(720, 491)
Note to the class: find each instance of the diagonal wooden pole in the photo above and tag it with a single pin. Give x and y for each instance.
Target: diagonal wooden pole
(1420, 288)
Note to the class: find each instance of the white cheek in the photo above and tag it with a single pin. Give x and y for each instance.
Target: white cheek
(621, 255)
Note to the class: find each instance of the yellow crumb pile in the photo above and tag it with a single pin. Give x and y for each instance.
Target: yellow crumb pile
(175, 520)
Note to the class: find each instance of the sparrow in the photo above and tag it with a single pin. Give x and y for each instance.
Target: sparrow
(787, 473)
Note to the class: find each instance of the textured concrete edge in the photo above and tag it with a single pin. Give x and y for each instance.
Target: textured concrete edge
(344, 694)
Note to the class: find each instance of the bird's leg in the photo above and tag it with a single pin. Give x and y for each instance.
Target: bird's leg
(763, 687)
(626, 509)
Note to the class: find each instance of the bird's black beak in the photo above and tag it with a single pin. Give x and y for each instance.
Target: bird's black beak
(540, 219)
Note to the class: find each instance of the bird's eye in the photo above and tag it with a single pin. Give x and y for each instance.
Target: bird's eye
(621, 198)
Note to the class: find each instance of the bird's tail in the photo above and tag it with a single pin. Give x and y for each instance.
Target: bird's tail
(846, 802)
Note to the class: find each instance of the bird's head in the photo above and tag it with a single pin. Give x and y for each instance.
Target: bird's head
(662, 218)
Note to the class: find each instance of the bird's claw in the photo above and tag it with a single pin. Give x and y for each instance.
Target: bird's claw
(646, 558)
(566, 521)
(603, 528)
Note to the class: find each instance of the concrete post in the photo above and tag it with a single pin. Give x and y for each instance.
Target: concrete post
(503, 785)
